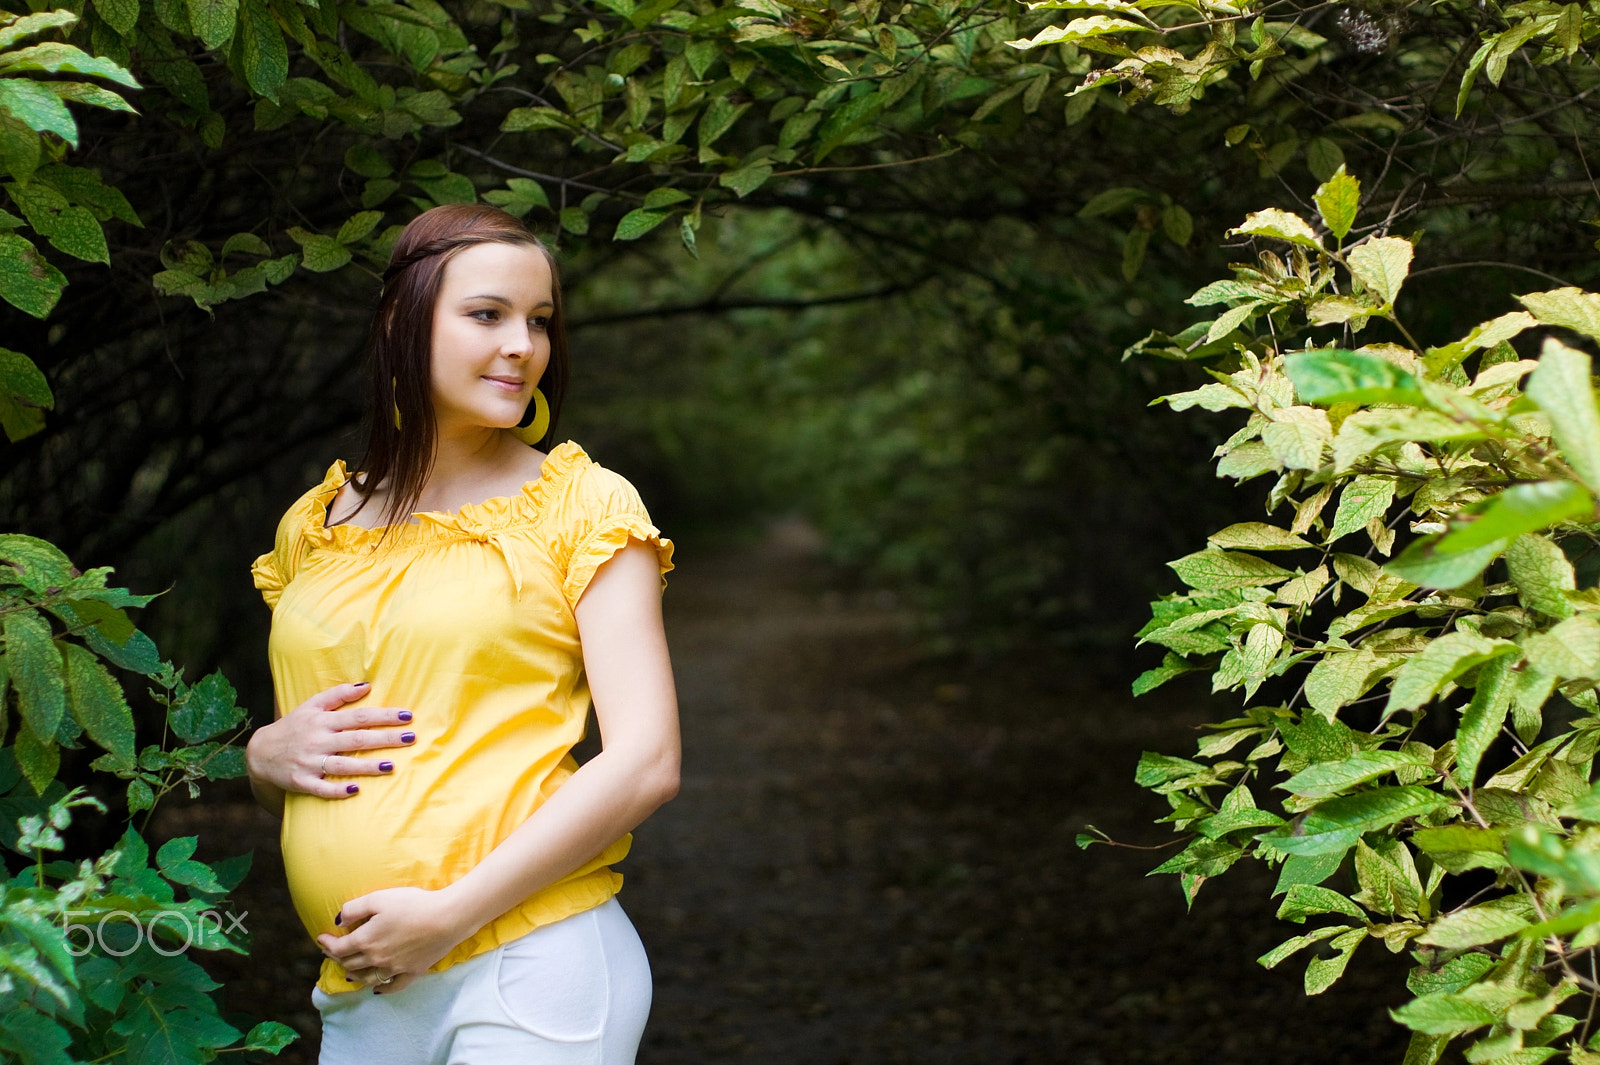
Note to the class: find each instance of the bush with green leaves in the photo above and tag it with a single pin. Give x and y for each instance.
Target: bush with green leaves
(94, 948)
(1418, 743)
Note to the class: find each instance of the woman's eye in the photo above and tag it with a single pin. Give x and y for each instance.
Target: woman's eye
(485, 315)
(539, 322)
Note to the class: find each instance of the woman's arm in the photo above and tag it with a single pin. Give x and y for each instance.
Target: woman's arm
(630, 676)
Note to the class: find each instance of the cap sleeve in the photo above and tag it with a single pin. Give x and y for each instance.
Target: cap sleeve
(273, 571)
(605, 513)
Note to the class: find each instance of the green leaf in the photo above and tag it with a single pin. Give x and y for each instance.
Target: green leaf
(1297, 436)
(38, 758)
(358, 226)
(1485, 923)
(1362, 500)
(663, 197)
(1542, 574)
(206, 709)
(1443, 1013)
(34, 664)
(575, 220)
(1335, 825)
(1420, 565)
(36, 1038)
(1307, 869)
(1077, 30)
(27, 281)
(1280, 225)
(1522, 508)
(1337, 376)
(1237, 813)
(140, 797)
(23, 393)
(319, 253)
(54, 57)
(1382, 264)
(1454, 975)
(1324, 158)
(1114, 201)
(1307, 900)
(1321, 973)
(1327, 779)
(1283, 951)
(77, 232)
(1483, 717)
(98, 705)
(532, 119)
(745, 180)
(39, 108)
(28, 25)
(1212, 570)
(184, 1035)
(213, 20)
(1566, 308)
(247, 243)
(1203, 857)
(266, 57)
(1561, 387)
(718, 117)
(270, 1036)
(120, 15)
(1571, 649)
(1442, 661)
(1176, 222)
(1171, 666)
(367, 161)
(1338, 679)
(1256, 536)
(845, 120)
(137, 653)
(638, 222)
(175, 863)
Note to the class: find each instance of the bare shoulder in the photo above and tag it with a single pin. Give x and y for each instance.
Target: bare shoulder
(515, 466)
(347, 500)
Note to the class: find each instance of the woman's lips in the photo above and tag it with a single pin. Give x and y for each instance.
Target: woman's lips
(507, 384)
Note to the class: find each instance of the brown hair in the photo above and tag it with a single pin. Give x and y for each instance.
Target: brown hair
(399, 348)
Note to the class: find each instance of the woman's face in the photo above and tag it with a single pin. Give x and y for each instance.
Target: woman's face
(490, 346)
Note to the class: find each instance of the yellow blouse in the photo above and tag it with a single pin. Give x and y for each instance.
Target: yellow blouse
(467, 620)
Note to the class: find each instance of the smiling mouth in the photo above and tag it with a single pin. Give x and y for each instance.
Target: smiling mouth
(507, 384)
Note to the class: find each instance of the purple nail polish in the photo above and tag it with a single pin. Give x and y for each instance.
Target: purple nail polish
(351, 790)
(405, 715)
(363, 684)
(384, 767)
(408, 737)
(338, 918)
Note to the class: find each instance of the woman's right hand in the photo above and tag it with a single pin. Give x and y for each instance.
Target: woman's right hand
(290, 753)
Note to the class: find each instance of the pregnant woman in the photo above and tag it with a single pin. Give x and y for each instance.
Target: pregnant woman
(440, 621)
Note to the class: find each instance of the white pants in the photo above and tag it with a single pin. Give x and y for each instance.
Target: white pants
(576, 992)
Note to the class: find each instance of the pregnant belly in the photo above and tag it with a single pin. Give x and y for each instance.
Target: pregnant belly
(335, 850)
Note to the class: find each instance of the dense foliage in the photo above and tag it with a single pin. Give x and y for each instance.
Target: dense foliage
(1465, 818)
(94, 947)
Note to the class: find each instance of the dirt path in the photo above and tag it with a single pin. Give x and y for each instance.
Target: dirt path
(871, 860)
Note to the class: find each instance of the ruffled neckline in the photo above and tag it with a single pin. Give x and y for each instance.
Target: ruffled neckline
(474, 521)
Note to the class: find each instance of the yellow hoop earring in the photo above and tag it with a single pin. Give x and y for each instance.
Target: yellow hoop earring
(394, 386)
(538, 421)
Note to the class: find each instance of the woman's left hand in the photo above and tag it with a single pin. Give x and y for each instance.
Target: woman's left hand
(396, 932)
